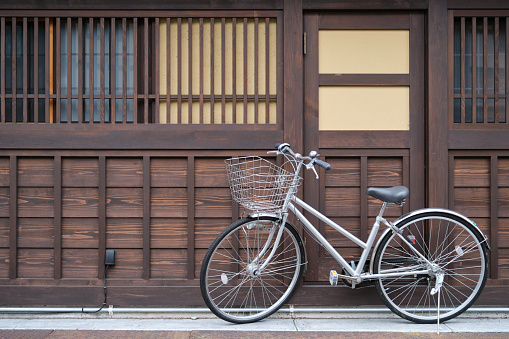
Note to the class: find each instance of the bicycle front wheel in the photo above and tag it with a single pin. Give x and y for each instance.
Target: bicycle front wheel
(235, 285)
(454, 251)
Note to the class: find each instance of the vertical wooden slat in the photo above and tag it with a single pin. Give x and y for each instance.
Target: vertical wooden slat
(91, 71)
(13, 216)
(102, 215)
(14, 69)
(267, 70)
(57, 70)
(36, 70)
(462, 69)
(146, 217)
(234, 70)
(2, 70)
(364, 199)
(201, 71)
(25, 69)
(494, 217)
(157, 67)
(57, 219)
(506, 52)
(135, 70)
(190, 216)
(80, 70)
(124, 70)
(256, 61)
(49, 74)
(212, 69)
(69, 71)
(496, 70)
(145, 68)
(168, 70)
(474, 70)
(190, 70)
(102, 68)
(245, 71)
(223, 71)
(179, 70)
(280, 116)
(485, 69)
(113, 88)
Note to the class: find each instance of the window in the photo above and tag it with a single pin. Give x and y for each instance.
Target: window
(480, 93)
(169, 70)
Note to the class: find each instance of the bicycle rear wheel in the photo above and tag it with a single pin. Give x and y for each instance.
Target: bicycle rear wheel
(234, 286)
(455, 250)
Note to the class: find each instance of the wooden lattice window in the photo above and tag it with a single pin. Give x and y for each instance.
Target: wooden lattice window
(480, 90)
(138, 69)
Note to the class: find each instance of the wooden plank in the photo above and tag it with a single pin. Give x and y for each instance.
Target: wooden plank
(35, 263)
(36, 172)
(79, 263)
(113, 70)
(169, 264)
(91, 70)
(102, 69)
(2, 70)
(13, 218)
(179, 71)
(80, 172)
(191, 213)
(125, 172)
(81, 71)
(47, 51)
(146, 217)
(35, 202)
(168, 172)
(245, 71)
(145, 70)
(256, 69)
(25, 69)
(36, 70)
(124, 70)
(69, 71)
(201, 71)
(190, 70)
(168, 71)
(223, 71)
(125, 233)
(124, 202)
(155, 118)
(364, 139)
(494, 229)
(102, 210)
(14, 68)
(365, 182)
(168, 203)
(57, 218)
(364, 79)
(80, 202)
(135, 70)
(80, 233)
(171, 233)
(58, 64)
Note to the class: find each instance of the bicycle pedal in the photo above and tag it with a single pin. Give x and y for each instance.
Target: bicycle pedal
(333, 278)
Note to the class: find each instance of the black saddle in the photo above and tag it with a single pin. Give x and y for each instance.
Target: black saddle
(392, 195)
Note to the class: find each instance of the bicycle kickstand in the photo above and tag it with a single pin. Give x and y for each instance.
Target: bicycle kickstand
(435, 290)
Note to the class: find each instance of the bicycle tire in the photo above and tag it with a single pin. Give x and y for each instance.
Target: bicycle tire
(447, 241)
(230, 284)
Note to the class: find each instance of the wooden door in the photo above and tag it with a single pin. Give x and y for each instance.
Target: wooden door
(364, 112)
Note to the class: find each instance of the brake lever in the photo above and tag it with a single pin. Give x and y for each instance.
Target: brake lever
(311, 166)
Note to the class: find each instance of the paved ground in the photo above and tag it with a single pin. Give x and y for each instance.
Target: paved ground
(328, 325)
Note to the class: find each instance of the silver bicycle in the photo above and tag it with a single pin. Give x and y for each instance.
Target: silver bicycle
(428, 266)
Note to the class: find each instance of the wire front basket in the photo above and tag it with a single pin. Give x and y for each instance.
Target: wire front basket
(259, 185)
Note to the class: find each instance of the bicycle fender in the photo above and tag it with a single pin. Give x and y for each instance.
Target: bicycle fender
(405, 217)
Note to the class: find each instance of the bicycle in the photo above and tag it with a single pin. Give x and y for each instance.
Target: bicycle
(426, 262)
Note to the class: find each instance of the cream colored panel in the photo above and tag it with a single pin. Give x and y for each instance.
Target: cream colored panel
(364, 51)
(354, 108)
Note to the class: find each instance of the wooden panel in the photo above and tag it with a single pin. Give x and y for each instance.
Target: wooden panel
(4, 201)
(385, 172)
(4, 171)
(4, 263)
(474, 202)
(168, 172)
(128, 264)
(472, 172)
(124, 202)
(168, 263)
(503, 263)
(336, 239)
(168, 202)
(35, 263)
(503, 172)
(392, 210)
(210, 172)
(4, 232)
(503, 232)
(124, 233)
(342, 202)
(80, 233)
(80, 172)
(35, 172)
(168, 233)
(213, 202)
(35, 202)
(124, 172)
(35, 232)
(79, 263)
(80, 202)
(207, 229)
(503, 202)
(344, 172)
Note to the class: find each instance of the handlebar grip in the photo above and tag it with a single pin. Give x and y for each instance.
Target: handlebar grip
(323, 164)
(283, 148)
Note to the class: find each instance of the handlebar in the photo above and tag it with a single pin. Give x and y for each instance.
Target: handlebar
(283, 148)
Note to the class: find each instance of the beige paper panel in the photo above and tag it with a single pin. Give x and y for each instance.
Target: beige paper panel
(357, 108)
(364, 51)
